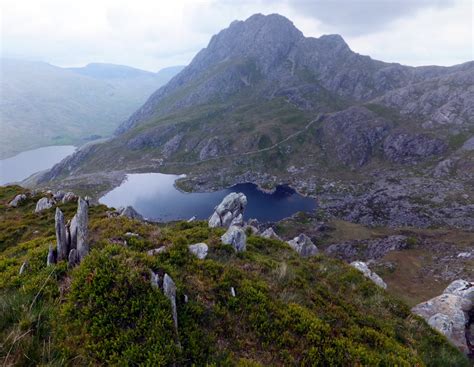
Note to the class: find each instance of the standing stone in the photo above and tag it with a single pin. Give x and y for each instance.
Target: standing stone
(236, 237)
(73, 258)
(303, 246)
(82, 231)
(73, 232)
(364, 269)
(51, 260)
(169, 289)
(61, 235)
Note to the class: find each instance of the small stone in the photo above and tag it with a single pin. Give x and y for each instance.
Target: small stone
(155, 279)
(199, 250)
(232, 291)
(69, 197)
(23, 267)
(364, 269)
(192, 219)
(156, 251)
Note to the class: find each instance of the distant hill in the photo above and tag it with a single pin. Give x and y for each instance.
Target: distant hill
(42, 104)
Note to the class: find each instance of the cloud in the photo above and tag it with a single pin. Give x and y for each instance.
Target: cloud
(357, 17)
(152, 34)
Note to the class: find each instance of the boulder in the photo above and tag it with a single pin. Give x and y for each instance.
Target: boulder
(169, 289)
(231, 208)
(364, 269)
(69, 197)
(43, 204)
(303, 245)
(270, 234)
(130, 212)
(61, 235)
(236, 237)
(58, 196)
(199, 250)
(449, 313)
(82, 218)
(17, 200)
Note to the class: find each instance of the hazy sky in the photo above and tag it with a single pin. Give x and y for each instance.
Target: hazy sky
(152, 34)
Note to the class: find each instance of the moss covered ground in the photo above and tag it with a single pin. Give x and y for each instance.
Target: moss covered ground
(287, 310)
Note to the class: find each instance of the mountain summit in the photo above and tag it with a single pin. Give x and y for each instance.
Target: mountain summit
(264, 103)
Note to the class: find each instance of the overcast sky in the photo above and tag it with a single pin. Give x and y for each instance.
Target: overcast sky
(152, 34)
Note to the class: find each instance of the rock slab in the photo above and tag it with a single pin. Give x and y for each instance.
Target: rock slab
(303, 245)
(364, 269)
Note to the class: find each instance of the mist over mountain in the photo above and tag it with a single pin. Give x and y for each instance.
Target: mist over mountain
(43, 104)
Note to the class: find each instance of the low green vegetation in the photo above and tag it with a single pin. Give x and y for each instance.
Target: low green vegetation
(286, 311)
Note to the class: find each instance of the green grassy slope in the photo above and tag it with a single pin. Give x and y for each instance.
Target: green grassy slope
(287, 310)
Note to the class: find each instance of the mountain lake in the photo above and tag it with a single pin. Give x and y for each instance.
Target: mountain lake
(155, 196)
(24, 164)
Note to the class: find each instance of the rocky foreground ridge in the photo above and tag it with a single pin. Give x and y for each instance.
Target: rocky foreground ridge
(169, 259)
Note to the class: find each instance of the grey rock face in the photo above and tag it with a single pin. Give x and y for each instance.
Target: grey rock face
(43, 204)
(199, 250)
(364, 269)
(354, 134)
(270, 233)
(449, 312)
(169, 289)
(131, 213)
(231, 207)
(17, 200)
(409, 148)
(211, 149)
(61, 235)
(367, 250)
(303, 245)
(236, 237)
(82, 218)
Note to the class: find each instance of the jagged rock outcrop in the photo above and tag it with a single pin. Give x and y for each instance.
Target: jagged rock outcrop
(82, 218)
(364, 269)
(199, 250)
(236, 237)
(17, 200)
(130, 212)
(451, 313)
(270, 233)
(43, 204)
(62, 246)
(303, 245)
(410, 148)
(231, 207)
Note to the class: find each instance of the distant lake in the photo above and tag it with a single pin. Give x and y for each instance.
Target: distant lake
(23, 165)
(155, 197)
